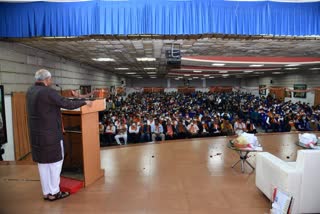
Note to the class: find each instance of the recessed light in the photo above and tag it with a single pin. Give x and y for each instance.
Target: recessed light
(225, 75)
(206, 75)
(131, 73)
(148, 59)
(197, 71)
(291, 65)
(247, 71)
(103, 59)
(218, 64)
(256, 65)
(151, 72)
(291, 68)
(187, 75)
(149, 68)
(223, 72)
(121, 69)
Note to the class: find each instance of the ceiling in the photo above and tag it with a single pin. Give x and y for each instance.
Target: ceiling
(202, 56)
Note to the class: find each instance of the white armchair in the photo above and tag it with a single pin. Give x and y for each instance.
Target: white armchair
(301, 178)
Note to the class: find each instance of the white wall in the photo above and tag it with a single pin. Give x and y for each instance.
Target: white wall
(18, 63)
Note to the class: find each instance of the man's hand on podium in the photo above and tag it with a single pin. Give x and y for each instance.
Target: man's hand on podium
(89, 103)
(75, 93)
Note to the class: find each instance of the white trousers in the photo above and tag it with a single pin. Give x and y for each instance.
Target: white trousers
(50, 175)
(124, 136)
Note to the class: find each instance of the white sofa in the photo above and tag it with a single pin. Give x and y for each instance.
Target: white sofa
(301, 178)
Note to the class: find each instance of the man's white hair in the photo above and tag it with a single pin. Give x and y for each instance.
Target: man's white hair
(42, 74)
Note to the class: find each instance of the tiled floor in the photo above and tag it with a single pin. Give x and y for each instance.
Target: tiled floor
(176, 177)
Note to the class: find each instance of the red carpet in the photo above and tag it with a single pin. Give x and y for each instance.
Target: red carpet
(70, 185)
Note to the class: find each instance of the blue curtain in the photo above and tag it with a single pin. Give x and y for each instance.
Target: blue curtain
(47, 19)
(158, 17)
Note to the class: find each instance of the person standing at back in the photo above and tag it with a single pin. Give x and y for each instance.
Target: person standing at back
(46, 135)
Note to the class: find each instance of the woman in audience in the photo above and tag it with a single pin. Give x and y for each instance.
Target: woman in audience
(226, 127)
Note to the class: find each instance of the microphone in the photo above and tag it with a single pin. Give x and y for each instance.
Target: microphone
(60, 88)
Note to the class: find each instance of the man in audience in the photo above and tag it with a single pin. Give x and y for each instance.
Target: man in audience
(134, 133)
(122, 132)
(145, 131)
(157, 131)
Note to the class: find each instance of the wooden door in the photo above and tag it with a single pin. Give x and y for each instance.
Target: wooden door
(20, 126)
(279, 92)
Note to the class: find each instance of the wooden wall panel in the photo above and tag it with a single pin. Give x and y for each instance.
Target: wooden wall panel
(20, 125)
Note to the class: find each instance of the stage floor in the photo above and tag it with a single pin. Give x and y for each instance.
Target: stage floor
(175, 177)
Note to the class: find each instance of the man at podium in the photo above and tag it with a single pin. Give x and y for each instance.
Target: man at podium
(46, 137)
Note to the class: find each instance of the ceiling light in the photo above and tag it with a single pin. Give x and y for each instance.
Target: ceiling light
(276, 72)
(197, 71)
(218, 64)
(148, 59)
(151, 72)
(187, 75)
(121, 69)
(223, 72)
(131, 73)
(211, 77)
(225, 75)
(256, 65)
(195, 77)
(206, 75)
(291, 65)
(103, 59)
(149, 68)
(291, 68)
(247, 71)
(314, 68)
(259, 72)
(153, 77)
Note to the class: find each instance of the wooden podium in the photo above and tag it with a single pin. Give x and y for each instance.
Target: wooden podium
(82, 142)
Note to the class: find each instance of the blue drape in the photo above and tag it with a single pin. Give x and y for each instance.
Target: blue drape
(158, 17)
